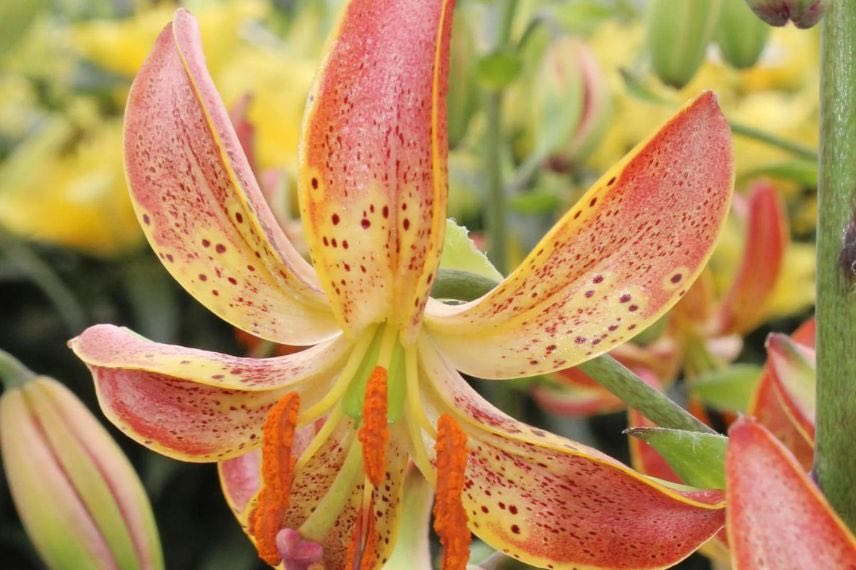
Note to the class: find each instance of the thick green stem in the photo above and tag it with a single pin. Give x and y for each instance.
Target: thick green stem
(835, 462)
(12, 373)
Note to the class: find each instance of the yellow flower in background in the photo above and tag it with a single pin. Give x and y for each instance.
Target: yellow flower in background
(121, 46)
(74, 197)
(778, 95)
(275, 111)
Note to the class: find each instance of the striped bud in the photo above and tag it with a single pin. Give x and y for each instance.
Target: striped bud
(78, 497)
(678, 35)
(741, 36)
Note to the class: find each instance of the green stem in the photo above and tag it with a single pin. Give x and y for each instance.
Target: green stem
(13, 374)
(497, 206)
(773, 140)
(638, 395)
(67, 306)
(497, 199)
(834, 461)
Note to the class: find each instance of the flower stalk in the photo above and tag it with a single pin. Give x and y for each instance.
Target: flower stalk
(835, 463)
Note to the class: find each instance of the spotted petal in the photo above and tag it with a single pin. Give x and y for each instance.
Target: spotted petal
(777, 518)
(554, 503)
(200, 205)
(621, 257)
(373, 159)
(192, 404)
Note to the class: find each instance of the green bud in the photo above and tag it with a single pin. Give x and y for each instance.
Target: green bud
(78, 497)
(462, 100)
(803, 13)
(678, 35)
(557, 97)
(741, 36)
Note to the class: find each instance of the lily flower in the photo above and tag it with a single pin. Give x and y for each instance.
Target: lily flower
(339, 423)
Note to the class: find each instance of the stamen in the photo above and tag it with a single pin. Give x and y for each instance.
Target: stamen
(267, 516)
(374, 430)
(450, 519)
(370, 548)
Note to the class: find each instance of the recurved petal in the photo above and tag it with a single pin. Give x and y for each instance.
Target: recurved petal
(200, 206)
(767, 406)
(763, 254)
(552, 502)
(373, 178)
(792, 369)
(777, 518)
(191, 404)
(613, 264)
(575, 394)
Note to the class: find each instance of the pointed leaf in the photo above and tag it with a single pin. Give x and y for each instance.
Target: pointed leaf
(459, 252)
(729, 389)
(699, 458)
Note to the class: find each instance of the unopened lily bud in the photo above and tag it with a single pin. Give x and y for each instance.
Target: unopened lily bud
(78, 497)
(463, 93)
(741, 36)
(558, 95)
(803, 13)
(678, 35)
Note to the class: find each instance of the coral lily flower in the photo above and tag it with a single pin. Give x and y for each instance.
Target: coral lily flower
(339, 423)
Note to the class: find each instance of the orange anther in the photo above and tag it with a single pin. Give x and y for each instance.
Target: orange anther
(266, 519)
(450, 519)
(374, 432)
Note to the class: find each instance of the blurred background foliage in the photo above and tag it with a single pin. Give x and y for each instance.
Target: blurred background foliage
(583, 83)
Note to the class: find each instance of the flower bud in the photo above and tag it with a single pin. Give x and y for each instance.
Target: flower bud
(557, 97)
(803, 13)
(741, 36)
(678, 34)
(78, 497)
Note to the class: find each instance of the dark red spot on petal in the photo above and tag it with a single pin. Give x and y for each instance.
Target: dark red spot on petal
(220, 248)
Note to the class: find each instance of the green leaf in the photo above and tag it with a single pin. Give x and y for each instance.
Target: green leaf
(699, 458)
(729, 389)
(461, 254)
(498, 69)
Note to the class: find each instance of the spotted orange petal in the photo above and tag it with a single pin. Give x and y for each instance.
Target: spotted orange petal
(764, 251)
(552, 502)
(615, 263)
(200, 205)
(192, 404)
(777, 517)
(373, 178)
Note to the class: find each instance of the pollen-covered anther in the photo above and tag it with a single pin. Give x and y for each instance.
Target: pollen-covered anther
(450, 519)
(374, 432)
(266, 519)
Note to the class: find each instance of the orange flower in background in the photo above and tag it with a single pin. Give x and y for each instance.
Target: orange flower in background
(339, 423)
